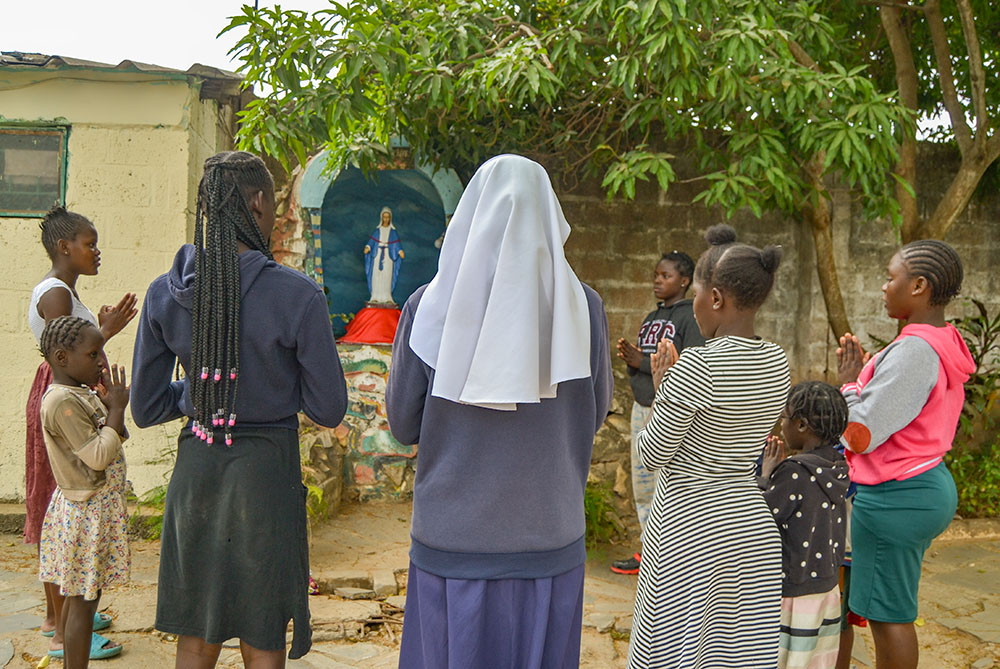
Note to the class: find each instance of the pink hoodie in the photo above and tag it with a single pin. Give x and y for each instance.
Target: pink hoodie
(919, 445)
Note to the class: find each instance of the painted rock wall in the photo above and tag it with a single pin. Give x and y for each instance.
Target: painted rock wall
(376, 466)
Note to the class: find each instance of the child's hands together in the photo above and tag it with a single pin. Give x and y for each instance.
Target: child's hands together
(628, 352)
(664, 358)
(774, 453)
(114, 318)
(851, 359)
(113, 391)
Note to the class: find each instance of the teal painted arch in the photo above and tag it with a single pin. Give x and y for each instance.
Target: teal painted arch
(317, 179)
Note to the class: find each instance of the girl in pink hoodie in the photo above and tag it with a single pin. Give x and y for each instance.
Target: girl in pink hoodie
(904, 407)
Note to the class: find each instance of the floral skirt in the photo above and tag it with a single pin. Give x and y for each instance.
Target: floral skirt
(84, 545)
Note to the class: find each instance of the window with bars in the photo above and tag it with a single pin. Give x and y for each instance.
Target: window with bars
(32, 169)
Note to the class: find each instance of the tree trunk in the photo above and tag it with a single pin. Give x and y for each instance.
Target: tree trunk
(826, 267)
(906, 83)
(819, 215)
(955, 199)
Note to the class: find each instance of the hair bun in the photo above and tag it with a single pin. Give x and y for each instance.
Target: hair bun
(721, 234)
(770, 258)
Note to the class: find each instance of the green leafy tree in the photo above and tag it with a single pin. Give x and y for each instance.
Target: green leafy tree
(759, 91)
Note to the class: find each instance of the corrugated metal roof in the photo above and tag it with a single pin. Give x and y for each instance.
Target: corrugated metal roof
(216, 82)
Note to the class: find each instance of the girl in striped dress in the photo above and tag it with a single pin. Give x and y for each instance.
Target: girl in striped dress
(709, 592)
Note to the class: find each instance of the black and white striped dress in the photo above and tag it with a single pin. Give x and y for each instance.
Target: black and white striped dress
(709, 591)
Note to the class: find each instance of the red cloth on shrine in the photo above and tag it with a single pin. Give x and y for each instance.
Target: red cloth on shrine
(372, 325)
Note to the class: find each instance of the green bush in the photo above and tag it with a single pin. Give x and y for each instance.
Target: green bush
(599, 511)
(148, 525)
(975, 459)
(977, 477)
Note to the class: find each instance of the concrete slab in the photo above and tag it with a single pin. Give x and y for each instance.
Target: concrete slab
(384, 582)
(19, 621)
(602, 622)
(397, 601)
(315, 660)
(331, 579)
(6, 652)
(329, 610)
(353, 653)
(12, 602)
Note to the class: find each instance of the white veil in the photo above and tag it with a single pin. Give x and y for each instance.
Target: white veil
(505, 318)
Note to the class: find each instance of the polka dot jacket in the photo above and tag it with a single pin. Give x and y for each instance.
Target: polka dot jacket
(805, 494)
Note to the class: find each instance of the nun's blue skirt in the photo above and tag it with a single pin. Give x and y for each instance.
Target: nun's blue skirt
(453, 623)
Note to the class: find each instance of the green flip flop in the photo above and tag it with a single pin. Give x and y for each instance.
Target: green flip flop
(98, 649)
(102, 621)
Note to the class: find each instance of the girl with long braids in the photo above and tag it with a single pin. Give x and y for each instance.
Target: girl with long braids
(904, 408)
(255, 342)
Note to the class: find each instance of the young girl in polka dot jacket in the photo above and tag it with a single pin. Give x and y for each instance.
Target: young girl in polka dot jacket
(806, 495)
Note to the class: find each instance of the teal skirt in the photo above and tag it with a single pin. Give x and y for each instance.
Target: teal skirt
(892, 525)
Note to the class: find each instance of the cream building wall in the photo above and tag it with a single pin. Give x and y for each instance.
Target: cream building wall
(136, 145)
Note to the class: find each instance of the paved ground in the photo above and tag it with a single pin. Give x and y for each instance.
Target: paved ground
(365, 548)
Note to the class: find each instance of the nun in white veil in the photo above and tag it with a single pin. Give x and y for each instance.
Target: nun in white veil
(501, 372)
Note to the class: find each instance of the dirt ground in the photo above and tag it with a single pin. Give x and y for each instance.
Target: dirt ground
(959, 605)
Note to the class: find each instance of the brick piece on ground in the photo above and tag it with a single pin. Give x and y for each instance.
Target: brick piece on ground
(355, 593)
(331, 579)
(397, 601)
(384, 583)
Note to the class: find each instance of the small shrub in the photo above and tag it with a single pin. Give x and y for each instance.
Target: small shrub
(977, 478)
(599, 511)
(149, 525)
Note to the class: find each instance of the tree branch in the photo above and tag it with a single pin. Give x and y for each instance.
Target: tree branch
(976, 76)
(906, 84)
(932, 10)
(800, 55)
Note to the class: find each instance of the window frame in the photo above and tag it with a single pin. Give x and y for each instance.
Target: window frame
(61, 131)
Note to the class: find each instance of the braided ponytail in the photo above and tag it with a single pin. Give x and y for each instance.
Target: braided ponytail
(223, 218)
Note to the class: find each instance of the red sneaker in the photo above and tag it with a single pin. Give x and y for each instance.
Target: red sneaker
(627, 566)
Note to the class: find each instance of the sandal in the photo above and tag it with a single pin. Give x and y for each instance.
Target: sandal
(98, 649)
(102, 621)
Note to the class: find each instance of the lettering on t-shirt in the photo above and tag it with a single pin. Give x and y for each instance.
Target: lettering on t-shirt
(653, 331)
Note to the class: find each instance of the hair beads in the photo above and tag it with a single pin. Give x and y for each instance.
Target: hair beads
(223, 218)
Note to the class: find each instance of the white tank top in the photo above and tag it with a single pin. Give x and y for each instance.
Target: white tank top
(35, 320)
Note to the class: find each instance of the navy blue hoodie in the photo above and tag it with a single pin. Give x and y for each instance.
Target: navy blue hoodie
(288, 358)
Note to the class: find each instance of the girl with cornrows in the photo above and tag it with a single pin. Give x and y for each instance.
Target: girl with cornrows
(84, 541)
(904, 407)
(70, 241)
(709, 592)
(255, 342)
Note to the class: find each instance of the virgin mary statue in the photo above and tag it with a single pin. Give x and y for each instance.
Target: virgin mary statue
(382, 259)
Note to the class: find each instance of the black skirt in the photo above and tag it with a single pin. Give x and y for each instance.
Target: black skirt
(234, 556)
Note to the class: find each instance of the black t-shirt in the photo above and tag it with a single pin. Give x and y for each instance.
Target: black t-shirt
(675, 323)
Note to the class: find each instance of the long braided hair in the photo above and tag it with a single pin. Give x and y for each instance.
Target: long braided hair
(62, 333)
(231, 180)
(821, 407)
(938, 263)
